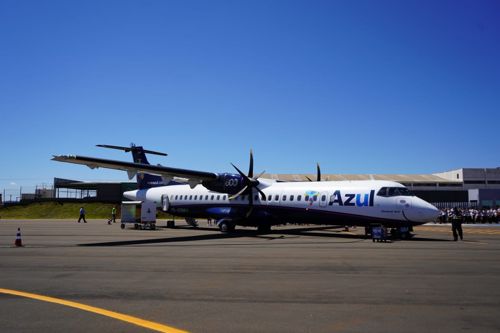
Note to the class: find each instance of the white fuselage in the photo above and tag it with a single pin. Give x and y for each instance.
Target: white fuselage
(327, 202)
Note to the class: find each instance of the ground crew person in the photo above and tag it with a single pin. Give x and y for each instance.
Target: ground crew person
(113, 215)
(456, 224)
(82, 215)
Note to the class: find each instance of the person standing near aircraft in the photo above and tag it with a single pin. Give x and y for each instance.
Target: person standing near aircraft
(456, 224)
(82, 215)
(113, 215)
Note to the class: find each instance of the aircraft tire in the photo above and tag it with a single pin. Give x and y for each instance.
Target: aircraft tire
(226, 226)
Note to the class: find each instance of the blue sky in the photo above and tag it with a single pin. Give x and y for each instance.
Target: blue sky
(359, 86)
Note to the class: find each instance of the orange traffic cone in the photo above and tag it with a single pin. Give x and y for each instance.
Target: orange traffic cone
(19, 241)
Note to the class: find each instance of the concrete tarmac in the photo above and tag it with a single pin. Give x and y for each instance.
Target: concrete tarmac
(295, 279)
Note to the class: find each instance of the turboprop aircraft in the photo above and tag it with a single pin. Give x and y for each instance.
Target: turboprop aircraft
(244, 199)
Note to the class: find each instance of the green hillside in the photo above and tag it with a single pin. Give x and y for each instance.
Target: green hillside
(54, 210)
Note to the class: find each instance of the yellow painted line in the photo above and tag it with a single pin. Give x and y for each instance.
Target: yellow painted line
(129, 319)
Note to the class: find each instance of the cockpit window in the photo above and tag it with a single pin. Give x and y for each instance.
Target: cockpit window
(394, 192)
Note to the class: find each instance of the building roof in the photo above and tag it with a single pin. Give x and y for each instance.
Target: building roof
(337, 177)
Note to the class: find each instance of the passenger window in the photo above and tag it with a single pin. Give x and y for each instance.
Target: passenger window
(212, 197)
(276, 197)
(224, 197)
(269, 197)
(306, 198)
(291, 198)
(284, 198)
(185, 197)
(299, 197)
(195, 197)
(176, 197)
(315, 198)
(323, 197)
(190, 197)
(206, 197)
(218, 196)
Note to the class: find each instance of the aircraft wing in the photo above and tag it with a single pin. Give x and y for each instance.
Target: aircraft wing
(192, 177)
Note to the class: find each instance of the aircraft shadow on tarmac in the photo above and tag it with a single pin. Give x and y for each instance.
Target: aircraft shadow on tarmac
(325, 232)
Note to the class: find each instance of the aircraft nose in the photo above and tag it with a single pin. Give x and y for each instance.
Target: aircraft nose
(423, 211)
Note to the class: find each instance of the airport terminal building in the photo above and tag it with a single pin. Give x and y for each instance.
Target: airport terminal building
(466, 187)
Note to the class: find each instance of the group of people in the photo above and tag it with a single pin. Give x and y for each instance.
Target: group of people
(112, 219)
(456, 216)
(471, 215)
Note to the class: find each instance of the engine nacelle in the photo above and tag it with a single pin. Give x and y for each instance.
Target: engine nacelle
(229, 183)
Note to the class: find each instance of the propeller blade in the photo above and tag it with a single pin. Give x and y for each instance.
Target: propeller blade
(260, 175)
(234, 196)
(250, 168)
(309, 179)
(318, 172)
(250, 198)
(240, 172)
(262, 194)
(249, 212)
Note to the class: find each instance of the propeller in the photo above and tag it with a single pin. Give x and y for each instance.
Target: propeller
(251, 183)
(318, 174)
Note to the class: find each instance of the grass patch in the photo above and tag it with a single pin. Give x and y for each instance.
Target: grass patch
(54, 210)
(68, 210)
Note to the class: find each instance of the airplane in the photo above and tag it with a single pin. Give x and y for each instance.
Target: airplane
(247, 200)
(145, 180)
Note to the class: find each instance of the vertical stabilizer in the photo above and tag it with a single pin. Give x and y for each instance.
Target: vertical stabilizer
(144, 180)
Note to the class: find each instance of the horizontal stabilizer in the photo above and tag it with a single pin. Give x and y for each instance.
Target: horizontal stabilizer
(132, 148)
